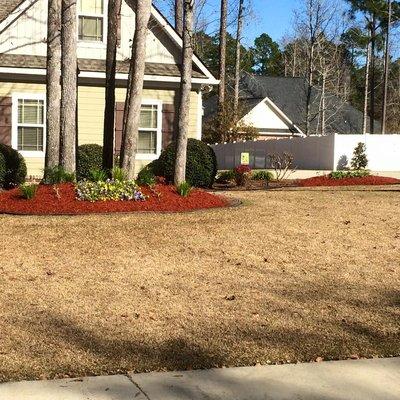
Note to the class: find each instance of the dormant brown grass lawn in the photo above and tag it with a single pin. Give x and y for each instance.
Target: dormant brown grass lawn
(288, 276)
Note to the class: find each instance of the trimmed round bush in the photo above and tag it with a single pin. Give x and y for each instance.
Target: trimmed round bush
(201, 166)
(90, 158)
(15, 167)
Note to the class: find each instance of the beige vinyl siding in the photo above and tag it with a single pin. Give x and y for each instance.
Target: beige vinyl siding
(90, 114)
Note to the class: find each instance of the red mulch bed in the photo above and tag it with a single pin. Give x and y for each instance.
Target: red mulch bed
(46, 202)
(366, 180)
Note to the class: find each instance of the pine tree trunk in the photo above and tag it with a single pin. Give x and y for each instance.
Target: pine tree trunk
(53, 87)
(186, 87)
(179, 16)
(222, 55)
(114, 10)
(366, 89)
(323, 105)
(237, 61)
(68, 85)
(372, 75)
(386, 73)
(135, 90)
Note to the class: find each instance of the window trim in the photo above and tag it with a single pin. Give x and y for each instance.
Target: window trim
(14, 130)
(148, 156)
(93, 43)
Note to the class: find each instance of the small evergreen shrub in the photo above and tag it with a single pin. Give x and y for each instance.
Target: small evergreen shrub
(262, 176)
(225, 176)
(89, 158)
(115, 190)
(242, 174)
(359, 160)
(184, 189)
(349, 174)
(56, 175)
(201, 165)
(28, 191)
(15, 171)
(146, 177)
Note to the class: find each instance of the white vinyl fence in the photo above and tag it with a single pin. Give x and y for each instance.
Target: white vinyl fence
(324, 153)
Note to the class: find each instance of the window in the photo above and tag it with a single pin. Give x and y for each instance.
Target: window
(91, 20)
(30, 126)
(149, 130)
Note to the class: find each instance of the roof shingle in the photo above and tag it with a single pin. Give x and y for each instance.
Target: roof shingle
(92, 65)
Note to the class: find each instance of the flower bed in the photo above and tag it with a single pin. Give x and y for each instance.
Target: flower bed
(351, 181)
(61, 200)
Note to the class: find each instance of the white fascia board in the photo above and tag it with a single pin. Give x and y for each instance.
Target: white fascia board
(16, 14)
(102, 75)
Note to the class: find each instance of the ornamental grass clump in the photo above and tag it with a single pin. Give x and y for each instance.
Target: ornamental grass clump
(184, 189)
(111, 189)
(28, 191)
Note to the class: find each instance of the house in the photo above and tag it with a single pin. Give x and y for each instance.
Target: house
(23, 30)
(277, 107)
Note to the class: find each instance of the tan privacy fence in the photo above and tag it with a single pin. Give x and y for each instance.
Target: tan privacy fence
(314, 153)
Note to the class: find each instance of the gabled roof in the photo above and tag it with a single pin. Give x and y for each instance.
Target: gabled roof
(7, 7)
(290, 96)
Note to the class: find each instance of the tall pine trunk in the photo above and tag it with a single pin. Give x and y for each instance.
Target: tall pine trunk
(386, 70)
(310, 81)
(237, 61)
(114, 10)
(135, 90)
(222, 54)
(179, 16)
(53, 88)
(372, 76)
(69, 69)
(366, 89)
(186, 87)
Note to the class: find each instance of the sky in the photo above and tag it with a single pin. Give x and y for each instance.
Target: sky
(271, 16)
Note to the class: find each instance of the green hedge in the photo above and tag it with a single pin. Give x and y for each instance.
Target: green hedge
(3, 169)
(90, 157)
(15, 167)
(201, 165)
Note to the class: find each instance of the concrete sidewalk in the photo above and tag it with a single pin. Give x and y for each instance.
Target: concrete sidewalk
(377, 379)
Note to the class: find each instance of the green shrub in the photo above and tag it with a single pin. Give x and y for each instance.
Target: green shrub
(184, 189)
(115, 190)
(359, 160)
(262, 176)
(118, 174)
(89, 158)
(28, 191)
(349, 174)
(225, 176)
(57, 174)
(146, 177)
(98, 175)
(201, 166)
(3, 169)
(15, 173)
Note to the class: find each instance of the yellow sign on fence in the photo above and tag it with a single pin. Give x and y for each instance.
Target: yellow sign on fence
(245, 158)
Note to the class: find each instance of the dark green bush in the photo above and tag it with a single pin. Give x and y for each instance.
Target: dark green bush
(201, 166)
(15, 173)
(146, 177)
(262, 176)
(90, 158)
(3, 169)
(226, 176)
(349, 174)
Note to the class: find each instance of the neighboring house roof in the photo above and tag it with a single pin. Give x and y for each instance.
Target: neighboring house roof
(7, 7)
(290, 96)
(92, 65)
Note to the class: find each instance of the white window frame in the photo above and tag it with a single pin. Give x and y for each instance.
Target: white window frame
(14, 130)
(93, 43)
(147, 156)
